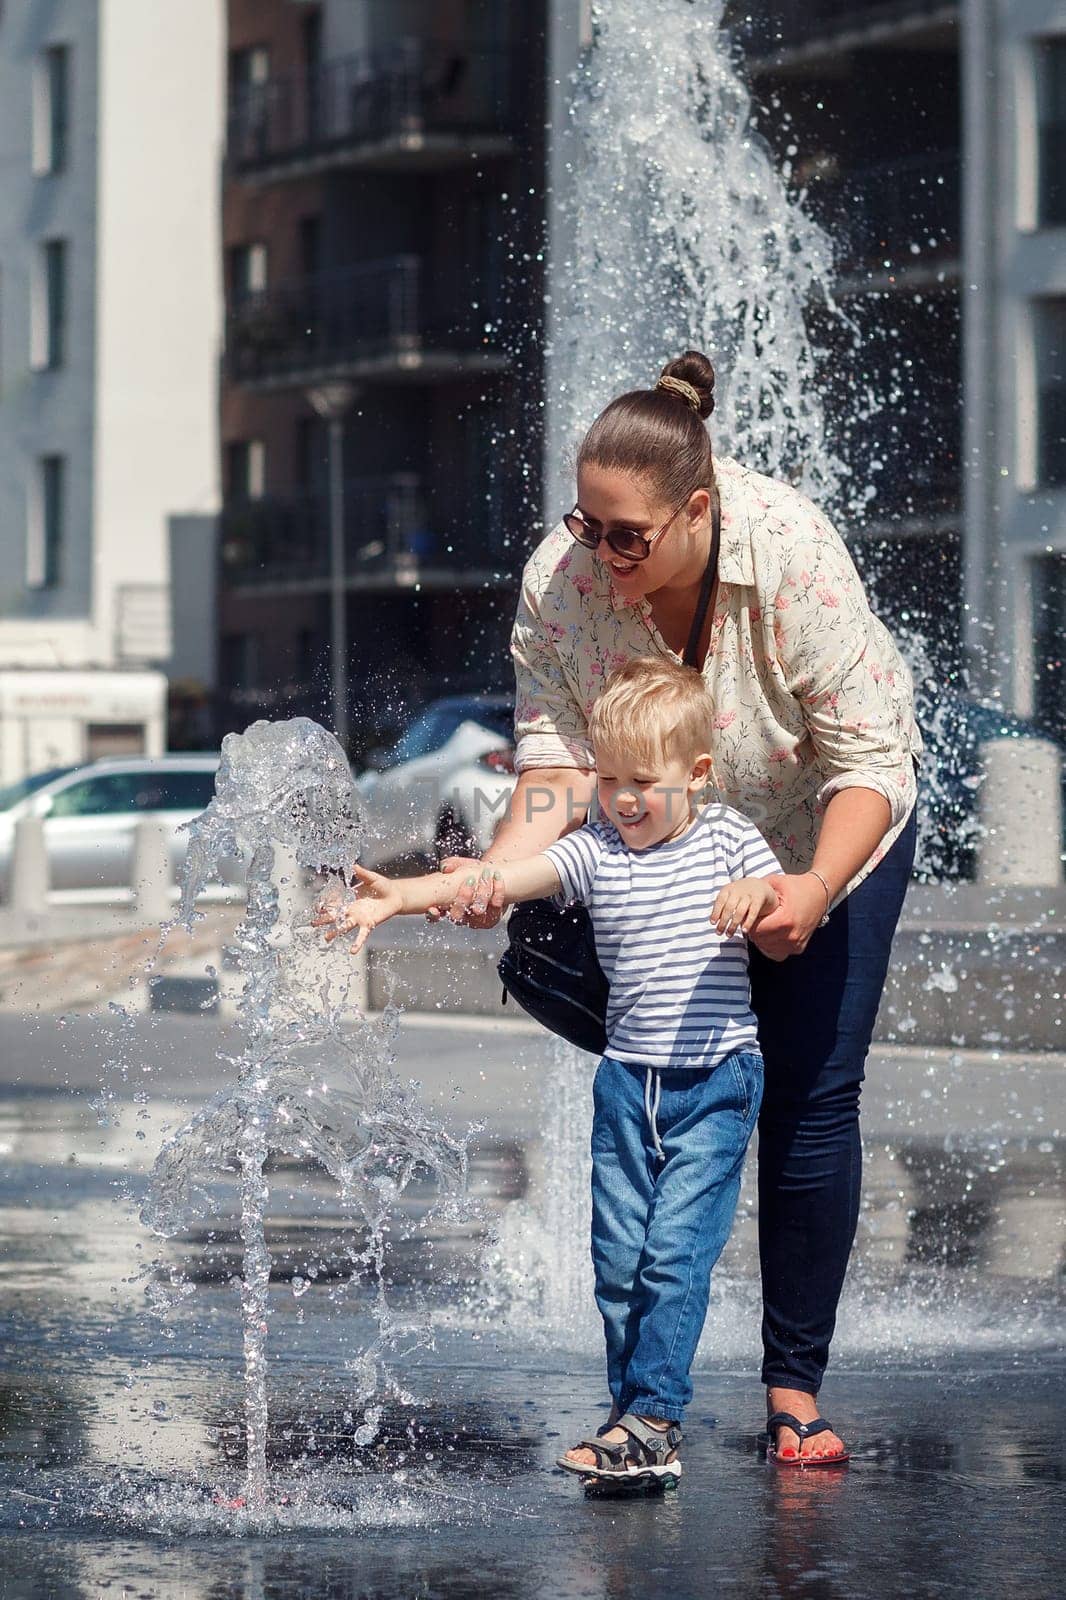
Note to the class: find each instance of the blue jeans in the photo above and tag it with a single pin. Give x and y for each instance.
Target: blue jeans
(667, 1150)
(816, 1016)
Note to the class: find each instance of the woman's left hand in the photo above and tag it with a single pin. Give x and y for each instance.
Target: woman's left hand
(801, 907)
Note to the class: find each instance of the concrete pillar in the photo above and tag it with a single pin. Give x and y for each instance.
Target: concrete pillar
(1021, 812)
(151, 873)
(29, 867)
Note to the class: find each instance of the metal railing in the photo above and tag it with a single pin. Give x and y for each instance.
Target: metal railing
(785, 24)
(326, 320)
(882, 209)
(286, 539)
(413, 88)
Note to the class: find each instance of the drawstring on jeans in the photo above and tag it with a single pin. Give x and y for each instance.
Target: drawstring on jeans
(651, 1108)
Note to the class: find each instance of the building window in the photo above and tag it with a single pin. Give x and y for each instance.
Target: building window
(44, 543)
(48, 322)
(239, 661)
(247, 271)
(51, 110)
(311, 456)
(307, 650)
(245, 469)
(1051, 104)
(248, 67)
(310, 246)
(249, 100)
(1050, 330)
(1049, 644)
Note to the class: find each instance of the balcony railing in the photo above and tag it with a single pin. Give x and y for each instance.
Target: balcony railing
(288, 539)
(785, 24)
(361, 320)
(413, 95)
(881, 211)
(394, 534)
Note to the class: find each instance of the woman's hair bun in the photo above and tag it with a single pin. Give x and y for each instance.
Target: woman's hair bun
(695, 369)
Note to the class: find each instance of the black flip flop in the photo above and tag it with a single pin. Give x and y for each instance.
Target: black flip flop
(806, 1430)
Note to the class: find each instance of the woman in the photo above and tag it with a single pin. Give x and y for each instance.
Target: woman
(814, 739)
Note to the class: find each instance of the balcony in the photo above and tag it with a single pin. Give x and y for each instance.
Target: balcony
(418, 106)
(918, 443)
(391, 541)
(371, 322)
(906, 212)
(804, 27)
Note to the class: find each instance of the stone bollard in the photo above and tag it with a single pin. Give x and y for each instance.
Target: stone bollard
(1020, 809)
(29, 868)
(151, 873)
(287, 877)
(359, 983)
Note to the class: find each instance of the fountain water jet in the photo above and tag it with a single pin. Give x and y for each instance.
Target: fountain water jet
(305, 1088)
(685, 235)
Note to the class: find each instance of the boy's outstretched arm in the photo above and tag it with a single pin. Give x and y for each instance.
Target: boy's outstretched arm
(378, 898)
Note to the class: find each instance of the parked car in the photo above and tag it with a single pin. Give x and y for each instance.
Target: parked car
(90, 813)
(12, 793)
(443, 786)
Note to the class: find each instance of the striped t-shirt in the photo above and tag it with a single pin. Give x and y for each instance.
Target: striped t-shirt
(679, 993)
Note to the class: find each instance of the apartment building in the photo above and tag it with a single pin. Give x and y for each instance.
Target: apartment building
(930, 137)
(381, 388)
(389, 228)
(862, 101)
(110, 127)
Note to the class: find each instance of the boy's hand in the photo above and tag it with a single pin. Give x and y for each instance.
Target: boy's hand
(741, 906)
(377, 900)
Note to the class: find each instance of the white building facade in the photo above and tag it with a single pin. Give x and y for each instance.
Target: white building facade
(1015, 331)
(110, 311)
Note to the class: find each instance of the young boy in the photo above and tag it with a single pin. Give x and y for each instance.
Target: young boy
(672, 891)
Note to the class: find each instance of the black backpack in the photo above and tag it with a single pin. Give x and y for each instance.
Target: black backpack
(550, 967)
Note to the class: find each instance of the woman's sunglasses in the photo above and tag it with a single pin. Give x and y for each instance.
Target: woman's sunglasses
(625, 542)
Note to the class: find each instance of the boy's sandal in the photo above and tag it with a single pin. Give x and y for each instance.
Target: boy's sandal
(642, 1455)
(805, 1430)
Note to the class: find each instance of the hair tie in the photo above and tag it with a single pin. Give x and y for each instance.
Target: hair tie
(683, 390)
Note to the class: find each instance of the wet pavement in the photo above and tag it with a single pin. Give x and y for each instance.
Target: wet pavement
(120, 1430)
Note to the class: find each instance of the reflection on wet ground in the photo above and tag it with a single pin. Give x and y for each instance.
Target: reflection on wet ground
(955, 1488)
(121, 1440)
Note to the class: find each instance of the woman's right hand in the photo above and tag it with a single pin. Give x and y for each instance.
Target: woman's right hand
(479, 903)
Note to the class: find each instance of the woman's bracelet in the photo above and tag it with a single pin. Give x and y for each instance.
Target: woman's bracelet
(828, 894)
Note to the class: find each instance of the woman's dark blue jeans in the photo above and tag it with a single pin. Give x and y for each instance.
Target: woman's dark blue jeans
(816, 1016)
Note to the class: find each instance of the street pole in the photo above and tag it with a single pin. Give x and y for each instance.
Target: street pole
(332, 401)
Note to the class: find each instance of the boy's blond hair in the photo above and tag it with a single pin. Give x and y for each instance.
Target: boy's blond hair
(653, 709)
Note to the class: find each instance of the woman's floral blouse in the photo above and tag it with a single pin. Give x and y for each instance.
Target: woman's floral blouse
(812, 694)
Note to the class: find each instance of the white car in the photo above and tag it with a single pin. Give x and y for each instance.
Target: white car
(443, 787)
(90, 813)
